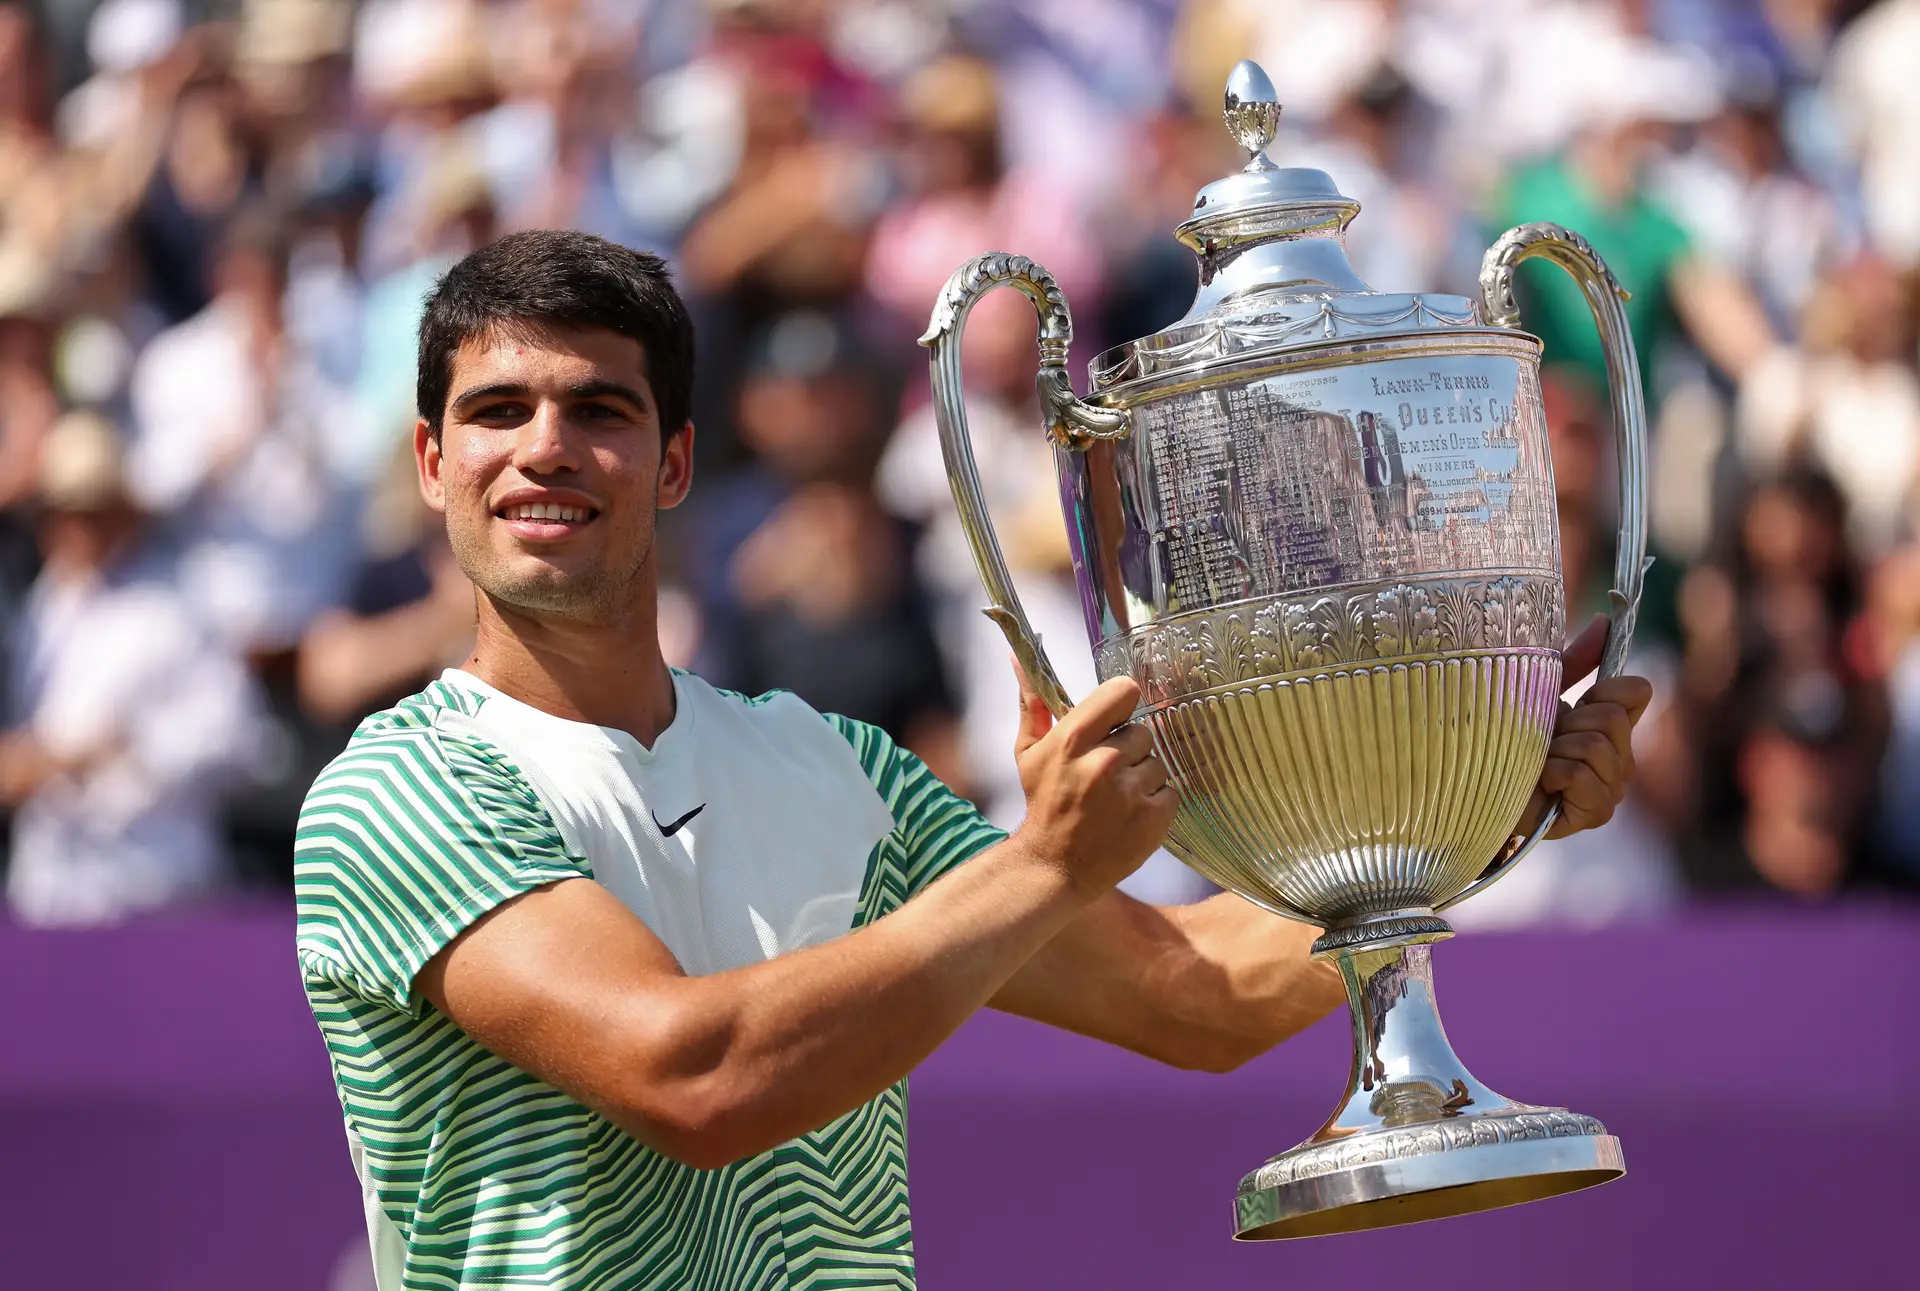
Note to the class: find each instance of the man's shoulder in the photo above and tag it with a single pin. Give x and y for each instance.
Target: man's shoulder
(401, 759)
(415, 829)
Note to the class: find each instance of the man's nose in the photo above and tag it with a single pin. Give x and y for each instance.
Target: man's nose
(544, 445)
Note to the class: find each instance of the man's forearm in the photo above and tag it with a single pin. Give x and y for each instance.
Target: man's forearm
(1205, 986)
(1249, 976)
(737, 1062)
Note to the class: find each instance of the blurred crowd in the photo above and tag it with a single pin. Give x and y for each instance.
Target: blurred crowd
(218, 219)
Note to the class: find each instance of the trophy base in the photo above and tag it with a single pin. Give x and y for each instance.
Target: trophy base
(1402, 1183)
(1416, 1137)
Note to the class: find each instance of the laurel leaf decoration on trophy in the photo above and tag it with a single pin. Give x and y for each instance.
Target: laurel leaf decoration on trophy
(1515, 245)
(1497, 604)
(1423, 635)
(1337, 633)
(1236, 646)
(1266, 646)
(1540, 613)
(1203, 662)
(1216, 338)
(1455, 614)
(1252, 643)
(1526, 618)
(1355, 637)
(999, 268)
(1161, 682)
(1389, 637)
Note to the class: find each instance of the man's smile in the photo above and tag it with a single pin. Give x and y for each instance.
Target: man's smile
(541, 516)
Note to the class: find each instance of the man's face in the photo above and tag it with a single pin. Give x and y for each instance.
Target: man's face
(550, 472)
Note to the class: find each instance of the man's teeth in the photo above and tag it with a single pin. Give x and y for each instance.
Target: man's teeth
(546, 511)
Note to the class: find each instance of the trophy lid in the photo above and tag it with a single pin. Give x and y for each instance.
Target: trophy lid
(1262, 199)
(1274, 272)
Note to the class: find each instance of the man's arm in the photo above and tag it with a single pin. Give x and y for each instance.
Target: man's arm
(1205, 987)
(1212, 985)
(565, 983)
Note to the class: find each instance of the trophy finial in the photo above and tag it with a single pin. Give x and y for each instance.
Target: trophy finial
(1252, 111)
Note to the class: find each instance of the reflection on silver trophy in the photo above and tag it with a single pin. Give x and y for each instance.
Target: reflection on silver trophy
(1315, 522)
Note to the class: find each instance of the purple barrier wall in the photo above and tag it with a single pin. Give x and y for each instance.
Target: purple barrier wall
(166, 1123)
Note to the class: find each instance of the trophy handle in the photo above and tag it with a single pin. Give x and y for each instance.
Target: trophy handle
(1604, 295)
(1071, 423)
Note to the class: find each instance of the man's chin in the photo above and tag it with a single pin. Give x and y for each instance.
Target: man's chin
(549, 588)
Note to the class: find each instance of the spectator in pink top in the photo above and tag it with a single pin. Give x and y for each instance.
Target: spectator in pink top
(962, 201)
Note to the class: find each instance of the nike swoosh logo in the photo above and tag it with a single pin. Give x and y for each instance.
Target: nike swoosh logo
(668, 831)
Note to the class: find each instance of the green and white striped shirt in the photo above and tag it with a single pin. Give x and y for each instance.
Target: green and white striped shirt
(750, 829)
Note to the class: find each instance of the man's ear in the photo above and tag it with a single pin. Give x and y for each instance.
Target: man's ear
(426, 456)
(676, 468)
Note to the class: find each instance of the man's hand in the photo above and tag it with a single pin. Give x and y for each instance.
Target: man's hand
(1590, 762)
(1098, 800)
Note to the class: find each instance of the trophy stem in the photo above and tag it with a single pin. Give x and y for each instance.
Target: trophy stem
(1404, 1070)
(1416, 1136)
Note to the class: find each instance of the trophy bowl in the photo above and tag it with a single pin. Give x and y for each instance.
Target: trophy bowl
(1315, 522)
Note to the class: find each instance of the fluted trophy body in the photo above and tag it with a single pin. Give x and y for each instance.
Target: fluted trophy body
(1316, 523)
(1336, 578)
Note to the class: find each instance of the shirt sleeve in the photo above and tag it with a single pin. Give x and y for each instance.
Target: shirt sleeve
(405, 840)
(935, 829)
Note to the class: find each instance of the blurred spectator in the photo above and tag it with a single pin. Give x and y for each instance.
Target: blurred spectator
(407, 614)
(1599, 186)
(1847, 397)
(1414, 236)
(234, 431)
(961, 200)
(446, 211)
(131, 717)
(1890, 642)
(28, 407)
(1746, 207)
(802, 579)
(1871, 79)
(790, 230)
(1152, 276)
(1786, 722)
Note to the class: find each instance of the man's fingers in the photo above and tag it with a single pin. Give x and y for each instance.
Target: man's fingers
(1607, 720)
(1582, 654)
(1585, 800)
(1036, 719)
(1536, 808)
(1632, 694)
(1593, 750)
(1147, 776)
(1094, 718)
(1134, 743)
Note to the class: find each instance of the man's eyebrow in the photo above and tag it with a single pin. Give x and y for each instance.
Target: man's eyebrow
(499, 390)
(608, 389)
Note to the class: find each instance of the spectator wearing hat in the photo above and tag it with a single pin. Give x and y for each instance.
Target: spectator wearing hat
(132, 719)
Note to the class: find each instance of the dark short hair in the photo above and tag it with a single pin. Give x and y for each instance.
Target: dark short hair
(565, 279)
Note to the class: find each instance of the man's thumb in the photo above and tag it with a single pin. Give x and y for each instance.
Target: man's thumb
(1036, 719)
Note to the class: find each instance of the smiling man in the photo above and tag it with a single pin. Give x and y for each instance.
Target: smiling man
(621, 976)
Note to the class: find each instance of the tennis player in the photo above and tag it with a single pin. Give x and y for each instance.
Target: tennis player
(621, 975)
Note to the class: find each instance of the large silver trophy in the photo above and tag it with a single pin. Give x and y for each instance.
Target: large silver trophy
(1316, 523)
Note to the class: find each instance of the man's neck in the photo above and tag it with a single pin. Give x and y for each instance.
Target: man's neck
(607, 674)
